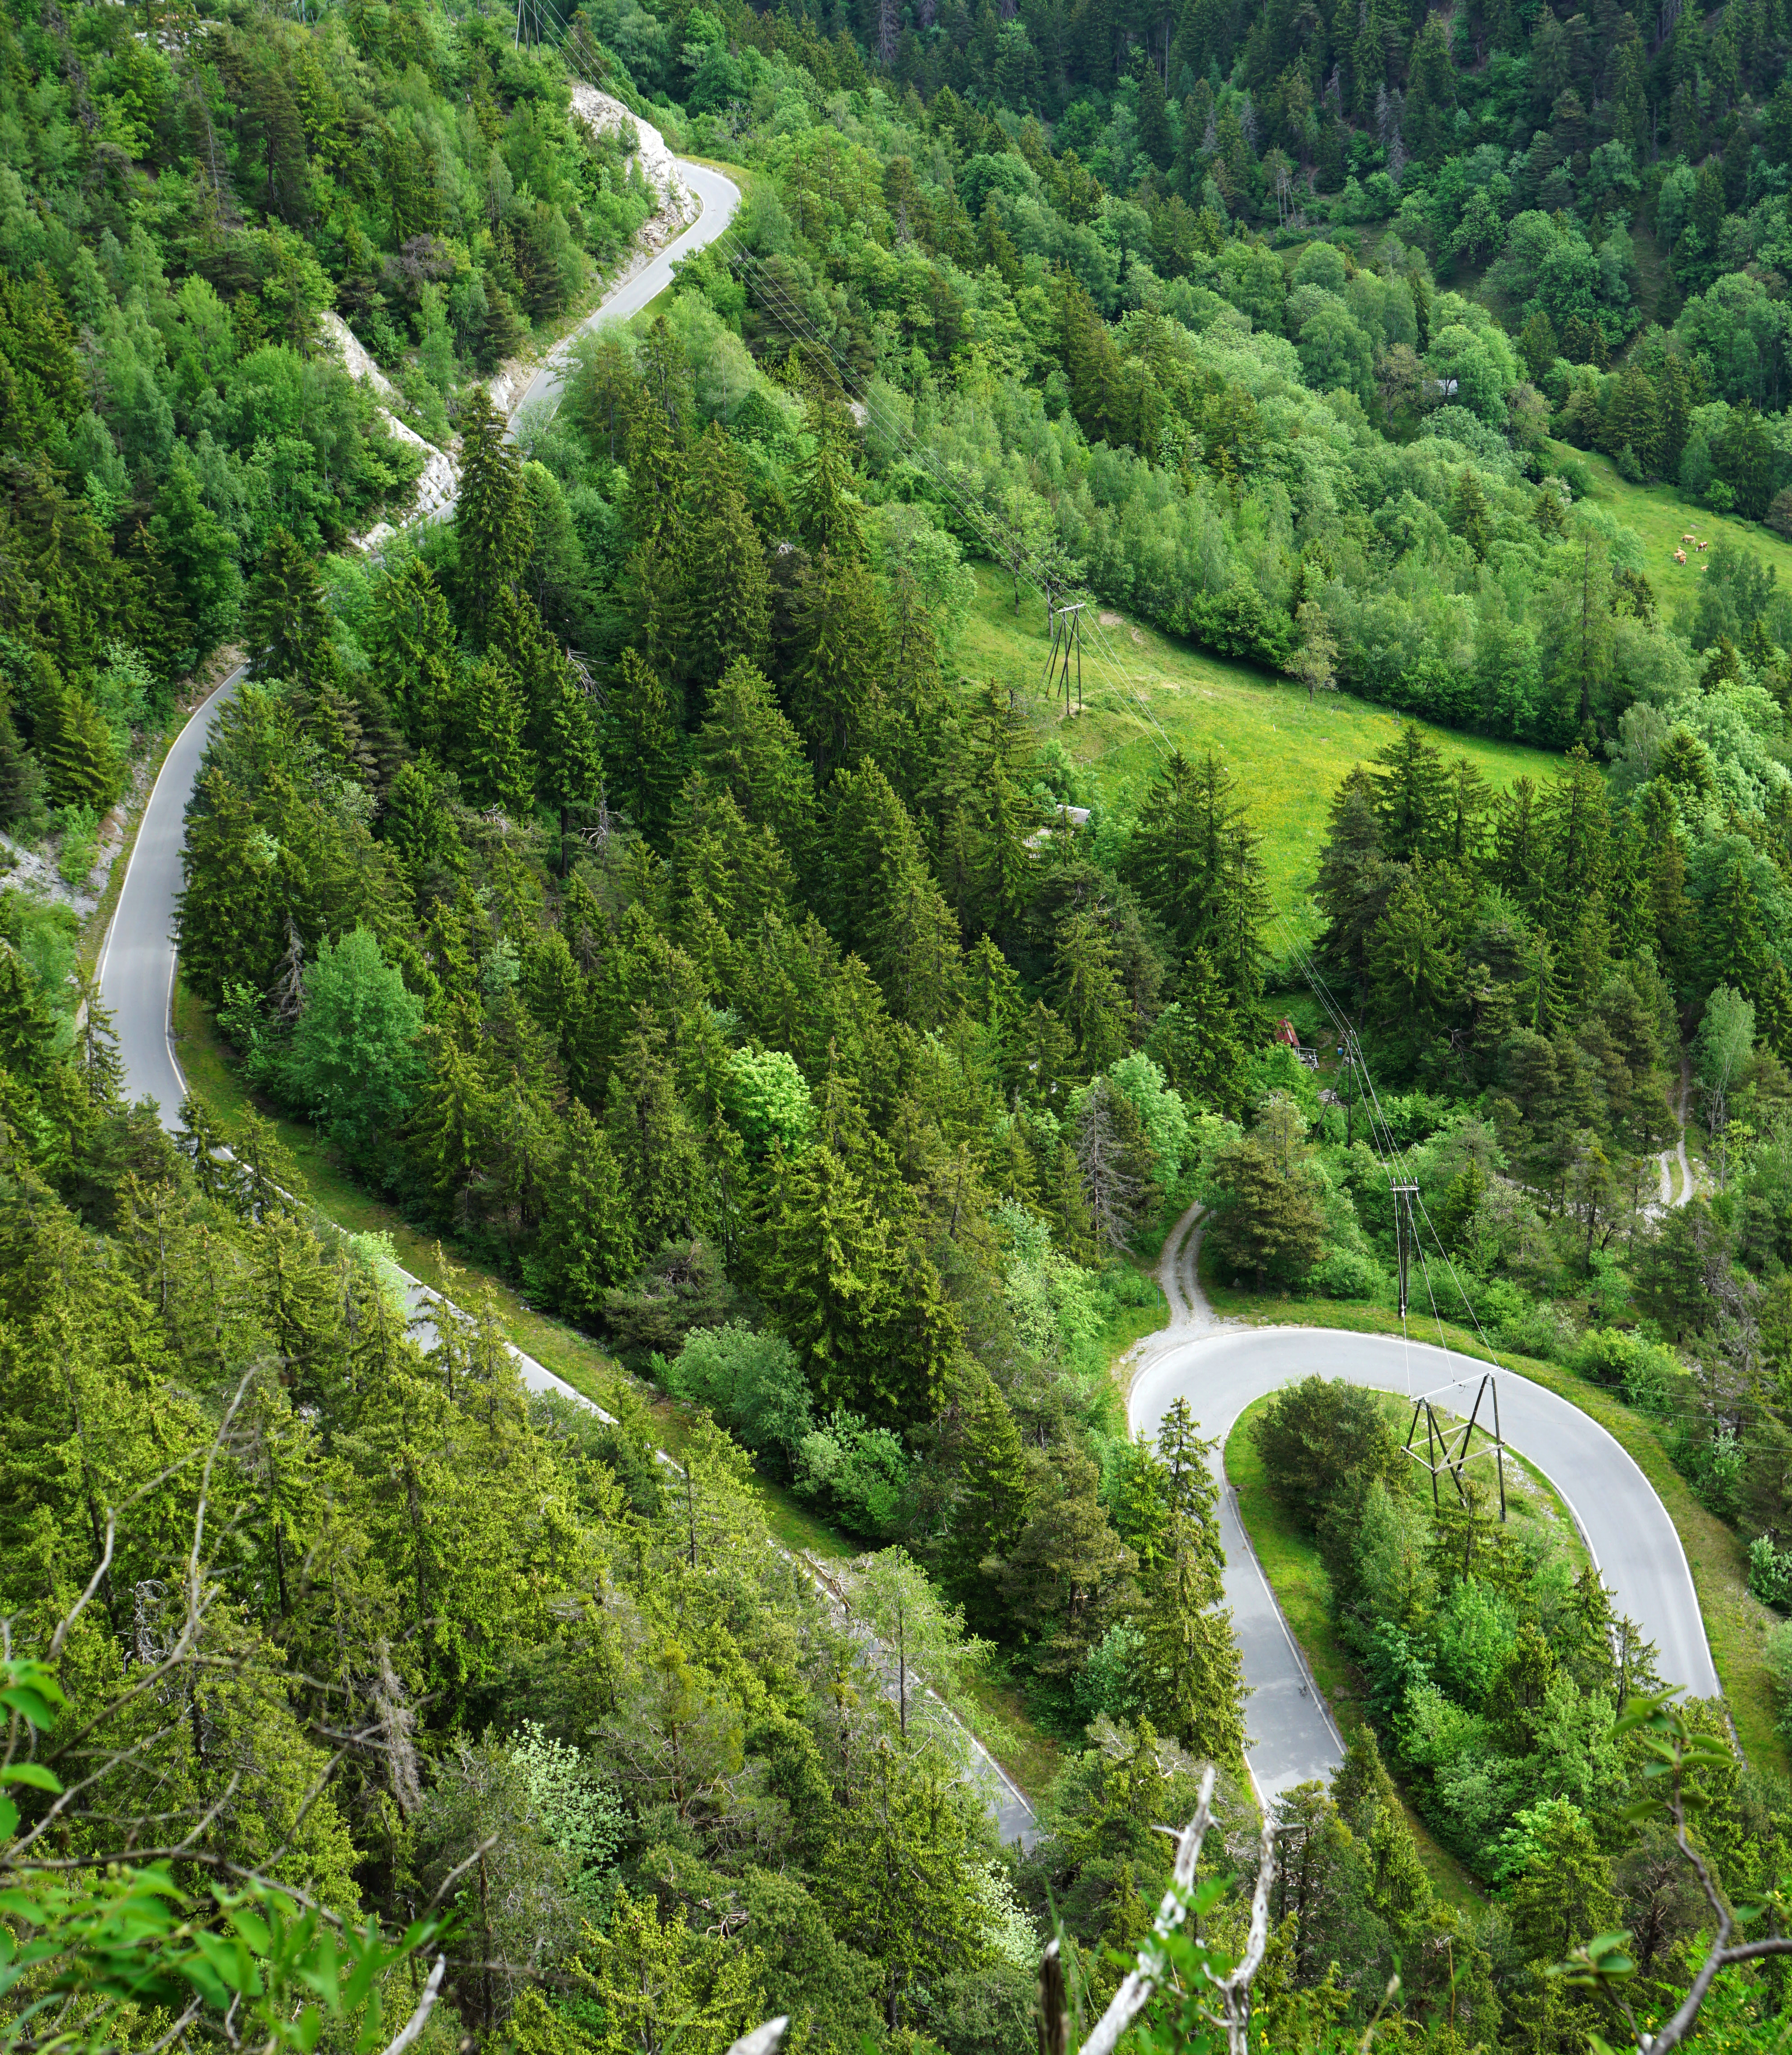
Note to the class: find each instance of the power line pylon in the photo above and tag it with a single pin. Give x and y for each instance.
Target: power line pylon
(1451, 1448)
(1067, 636)
(1406, 1235)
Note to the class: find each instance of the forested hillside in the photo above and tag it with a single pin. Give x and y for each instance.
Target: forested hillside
(628, 880)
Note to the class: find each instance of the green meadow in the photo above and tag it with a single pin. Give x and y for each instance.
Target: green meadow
(1148, 693)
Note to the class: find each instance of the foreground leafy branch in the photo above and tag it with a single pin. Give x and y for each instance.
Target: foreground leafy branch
(1603, 1964)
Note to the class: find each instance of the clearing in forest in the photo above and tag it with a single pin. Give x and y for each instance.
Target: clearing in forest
(1288, 757)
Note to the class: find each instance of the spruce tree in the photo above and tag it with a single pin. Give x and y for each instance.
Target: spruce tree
(228, 920)
(729, 613)
(643, 751)
(491, 756)
(661, 418)
(1091, 999)
(491, 514)
(80, 766)
(412, 647)
(1735, 947)
(829, 521)
(746, 746)
(1197, 1688)
(837, 646)
(589, 1242)
(286, 618)
(1412, 797)
(992, 1501)
(886, 906)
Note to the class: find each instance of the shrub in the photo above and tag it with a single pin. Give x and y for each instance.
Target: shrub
(1315, 1435)
(80, 843)
(861, 1470)
(752, 1383)
(353, 1062)
(1770, 1574)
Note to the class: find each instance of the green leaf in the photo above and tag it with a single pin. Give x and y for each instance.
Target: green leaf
(9, 1818)
(371, 2032)
(28, 1704)
(33, 1774)
(310, 2025)
(253, 1929)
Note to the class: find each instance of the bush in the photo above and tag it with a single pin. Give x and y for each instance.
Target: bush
(353, 1062)
(80, 844)
(1770, 1574)
(752, 1383)
(1314, 1436)
(681, 1289)
(1779, 513)
(859, 1469)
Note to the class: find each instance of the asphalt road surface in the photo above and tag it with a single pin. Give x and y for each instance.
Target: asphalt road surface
(720, 196)
(1220, 1370)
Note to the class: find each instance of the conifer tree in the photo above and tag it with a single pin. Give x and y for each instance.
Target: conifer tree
(587, 1242)
(661, 417)
(491, 756)
(1198, 1681)
(491, 514)
(886, 905)
(80, 766)
(227, 918)
(992, 1501)
(102, 1068)
(1735, 942)
(1197, 1042)
(837, 643)
(828, 519)
(1090, 998)
(1469, 516)
(286, 617)
(413, 653)
(729, 613)
(746, 746)
(642, 747)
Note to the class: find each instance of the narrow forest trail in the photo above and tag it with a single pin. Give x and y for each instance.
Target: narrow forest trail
(1670, 1196)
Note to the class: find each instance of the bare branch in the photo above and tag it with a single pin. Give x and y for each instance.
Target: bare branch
(1135, 1994)
(460, 1869)
(1235, 1990)
(180, 2027)
(426, 2005)
(761, 2040)
(93, 1583)
(193, 1605)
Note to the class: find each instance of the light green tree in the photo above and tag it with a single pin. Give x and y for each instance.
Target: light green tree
(354, 1059)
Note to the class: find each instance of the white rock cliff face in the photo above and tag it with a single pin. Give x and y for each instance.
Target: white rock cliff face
(605, 116)
(435, 489)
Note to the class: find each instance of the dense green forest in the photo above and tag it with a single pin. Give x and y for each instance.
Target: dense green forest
(626, 878)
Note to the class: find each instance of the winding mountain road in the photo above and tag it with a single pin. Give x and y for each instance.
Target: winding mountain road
(1220, 1368)
(137, 964)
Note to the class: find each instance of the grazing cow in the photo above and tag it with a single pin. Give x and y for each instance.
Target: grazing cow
(1704, 546)
(1689, 538)
(1680, 556)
